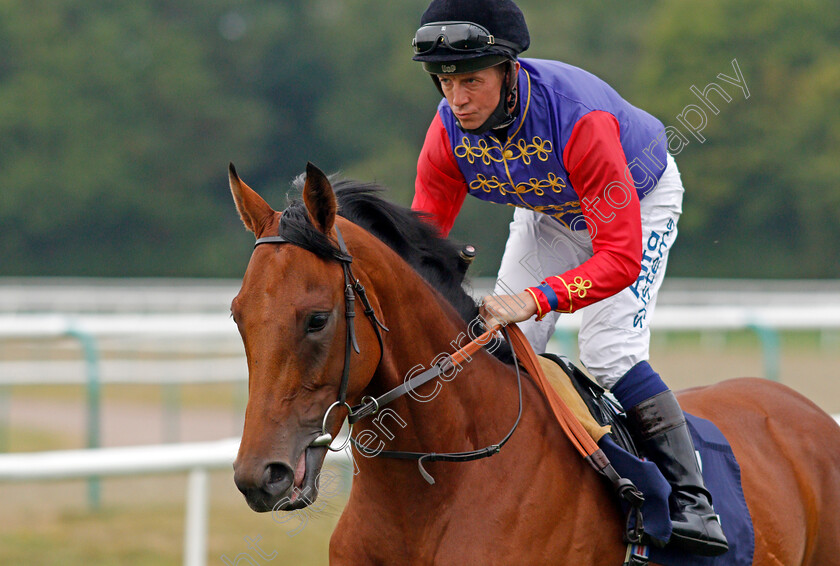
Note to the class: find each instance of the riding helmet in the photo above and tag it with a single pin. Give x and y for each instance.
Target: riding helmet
(462, 36)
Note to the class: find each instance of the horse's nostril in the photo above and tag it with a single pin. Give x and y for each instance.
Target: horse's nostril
(278, 477)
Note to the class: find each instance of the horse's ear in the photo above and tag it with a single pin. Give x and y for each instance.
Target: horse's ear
(253, 210)
(319, 198)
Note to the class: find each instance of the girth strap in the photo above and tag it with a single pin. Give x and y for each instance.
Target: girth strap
(636, 555)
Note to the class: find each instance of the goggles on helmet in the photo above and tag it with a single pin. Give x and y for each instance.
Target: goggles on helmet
(461, 37)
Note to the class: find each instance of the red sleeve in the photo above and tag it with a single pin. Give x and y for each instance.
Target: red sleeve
(440, 188)
(596, 164)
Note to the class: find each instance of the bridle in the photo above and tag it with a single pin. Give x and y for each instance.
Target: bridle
(352, 287)
(370, 405)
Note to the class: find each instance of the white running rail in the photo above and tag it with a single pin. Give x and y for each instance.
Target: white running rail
(194, 458)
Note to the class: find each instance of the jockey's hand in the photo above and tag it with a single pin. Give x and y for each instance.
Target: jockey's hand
(502, 309)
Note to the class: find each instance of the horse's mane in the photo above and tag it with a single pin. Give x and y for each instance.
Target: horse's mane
(414, 239)
(405, 231)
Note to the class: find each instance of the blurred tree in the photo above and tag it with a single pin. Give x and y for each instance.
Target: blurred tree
(112, 116)
(762, 188)
(117, 121)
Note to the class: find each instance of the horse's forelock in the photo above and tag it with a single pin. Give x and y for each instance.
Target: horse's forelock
(296, 226)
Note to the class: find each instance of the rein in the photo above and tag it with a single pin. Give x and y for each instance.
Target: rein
(373, 406)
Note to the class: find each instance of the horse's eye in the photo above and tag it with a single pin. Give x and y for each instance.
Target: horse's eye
(317, 321)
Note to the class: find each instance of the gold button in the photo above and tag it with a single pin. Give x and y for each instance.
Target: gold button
(508, 154)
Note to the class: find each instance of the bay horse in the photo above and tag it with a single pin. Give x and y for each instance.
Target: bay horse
(536, 501)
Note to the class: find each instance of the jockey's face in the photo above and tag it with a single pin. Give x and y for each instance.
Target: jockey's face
(473, 96)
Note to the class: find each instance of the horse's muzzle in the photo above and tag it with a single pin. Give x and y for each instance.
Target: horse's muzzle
(264, 484)
(271, 486)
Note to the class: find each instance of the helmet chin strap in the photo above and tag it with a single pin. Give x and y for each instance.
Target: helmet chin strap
(503, 115)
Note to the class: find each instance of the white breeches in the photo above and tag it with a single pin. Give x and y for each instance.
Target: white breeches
(614, 334)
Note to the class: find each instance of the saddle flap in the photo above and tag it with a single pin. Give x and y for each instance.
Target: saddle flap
(562, 385)
(602, 406)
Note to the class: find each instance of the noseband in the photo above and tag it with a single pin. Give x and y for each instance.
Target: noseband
(352, 287)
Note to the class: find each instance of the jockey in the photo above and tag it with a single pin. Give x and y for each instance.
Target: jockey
(597, 201)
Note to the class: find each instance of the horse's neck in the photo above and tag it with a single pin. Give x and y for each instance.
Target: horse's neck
(468, 410)
(424, 328)
(538, 469)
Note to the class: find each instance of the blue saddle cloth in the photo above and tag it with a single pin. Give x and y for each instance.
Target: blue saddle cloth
(722, 475)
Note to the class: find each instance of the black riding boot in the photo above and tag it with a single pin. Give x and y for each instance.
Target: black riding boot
(660, 425)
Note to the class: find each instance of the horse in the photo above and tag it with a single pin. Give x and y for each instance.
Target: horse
(533, 502)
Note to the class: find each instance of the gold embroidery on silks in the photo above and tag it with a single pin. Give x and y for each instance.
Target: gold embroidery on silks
(488, 185)
(578, 287)
(482, 150)
(555, 183)
(556, 211)
(538, 146)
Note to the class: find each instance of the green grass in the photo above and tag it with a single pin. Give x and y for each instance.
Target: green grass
(23, 439)
(141, 523)
(152, 535)
(199, 396)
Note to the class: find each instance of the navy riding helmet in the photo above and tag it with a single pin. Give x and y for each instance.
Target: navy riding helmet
(462, 36)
